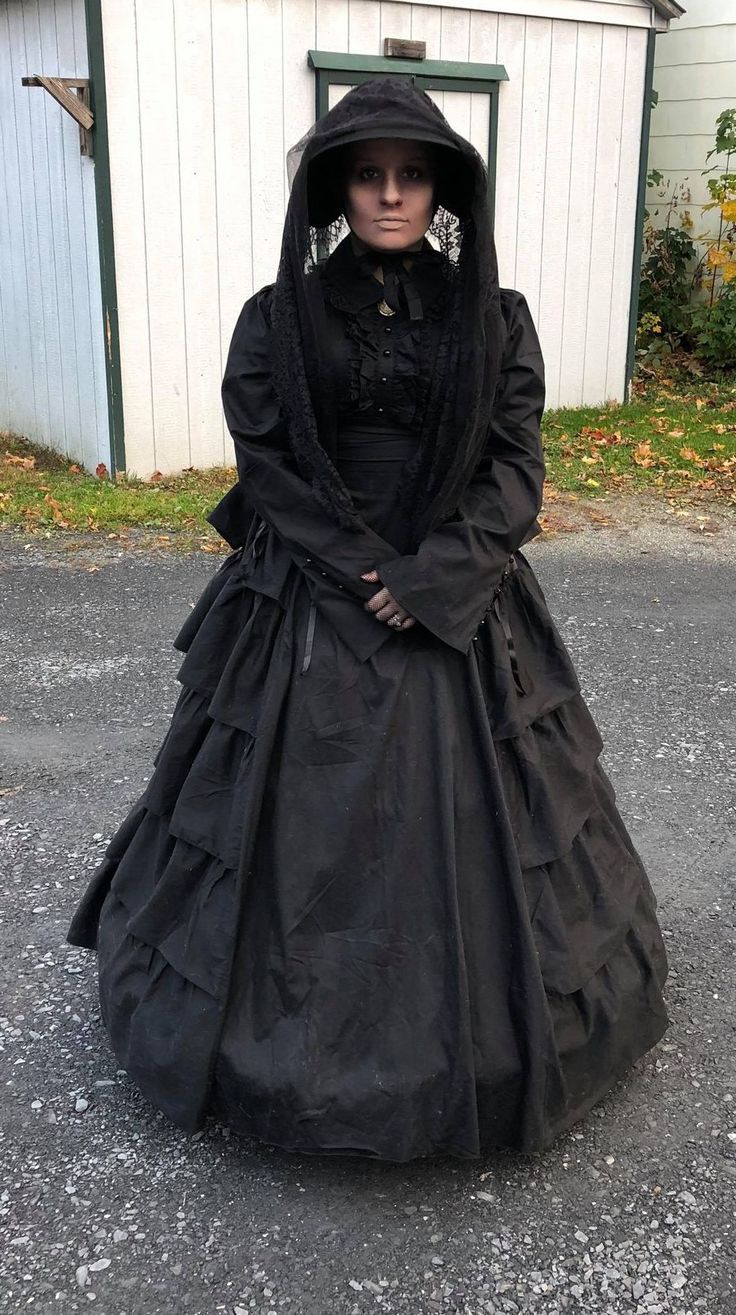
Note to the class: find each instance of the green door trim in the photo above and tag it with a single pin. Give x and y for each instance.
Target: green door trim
(427, 68)
(641, 193)
(332, 68)
(103, 197)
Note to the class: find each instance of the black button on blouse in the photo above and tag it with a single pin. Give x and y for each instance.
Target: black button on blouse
(356, 331)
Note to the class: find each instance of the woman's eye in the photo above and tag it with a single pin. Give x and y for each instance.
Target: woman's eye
(367, 173)
(413, 173)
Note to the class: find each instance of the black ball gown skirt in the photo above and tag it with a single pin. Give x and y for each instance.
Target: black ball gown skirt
(384, 907)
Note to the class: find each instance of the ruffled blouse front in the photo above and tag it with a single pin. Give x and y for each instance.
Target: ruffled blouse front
(382, 365)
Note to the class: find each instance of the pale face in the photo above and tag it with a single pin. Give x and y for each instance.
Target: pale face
(389, 193)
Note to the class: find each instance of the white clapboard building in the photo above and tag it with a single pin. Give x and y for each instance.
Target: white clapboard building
(695, 81)
(144, 188)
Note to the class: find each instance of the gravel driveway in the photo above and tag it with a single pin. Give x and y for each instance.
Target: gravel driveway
(105, 1206)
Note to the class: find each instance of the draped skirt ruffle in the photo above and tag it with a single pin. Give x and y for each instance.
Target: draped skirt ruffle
(386, 908)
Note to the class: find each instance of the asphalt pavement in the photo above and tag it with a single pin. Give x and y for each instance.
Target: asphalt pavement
(106, 1206)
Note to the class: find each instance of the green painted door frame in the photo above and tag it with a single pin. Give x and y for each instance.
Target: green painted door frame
(641, 194)
(334, 69)
(103, 197)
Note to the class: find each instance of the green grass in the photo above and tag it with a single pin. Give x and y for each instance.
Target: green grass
(677, 436)
(39, 489)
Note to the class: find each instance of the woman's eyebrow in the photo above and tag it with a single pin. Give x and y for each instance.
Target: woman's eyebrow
(376, 164)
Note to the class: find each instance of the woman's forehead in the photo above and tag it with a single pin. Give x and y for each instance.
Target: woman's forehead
(385, 148)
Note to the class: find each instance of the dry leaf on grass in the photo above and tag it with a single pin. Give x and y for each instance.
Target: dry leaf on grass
(56, 512)
(689, 454)
(25, 463)
(643, 455)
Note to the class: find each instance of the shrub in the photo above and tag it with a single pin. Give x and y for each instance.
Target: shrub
(666, 280)
(673, 273)
(713, 329)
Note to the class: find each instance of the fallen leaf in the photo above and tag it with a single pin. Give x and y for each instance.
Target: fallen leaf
(56, 512)
(101, 471)
(74, 469)
(689, 454)
(675, 433)
(26, 463)
(643, 455)
(659, 423)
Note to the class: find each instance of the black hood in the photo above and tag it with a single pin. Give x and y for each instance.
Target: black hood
(456, 423)
(390, 108)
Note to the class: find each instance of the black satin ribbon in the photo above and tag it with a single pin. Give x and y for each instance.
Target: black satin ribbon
(309, 643)
(501, 615)
(397, 279)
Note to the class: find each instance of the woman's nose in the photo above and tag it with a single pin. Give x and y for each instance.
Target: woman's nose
(390, 191)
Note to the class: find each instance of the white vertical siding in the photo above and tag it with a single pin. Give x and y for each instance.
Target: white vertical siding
(204, 98)
(52, 368)
(695, 77)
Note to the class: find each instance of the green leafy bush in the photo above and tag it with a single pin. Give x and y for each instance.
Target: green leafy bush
(713, 330)
(666, 279)
(676, 276)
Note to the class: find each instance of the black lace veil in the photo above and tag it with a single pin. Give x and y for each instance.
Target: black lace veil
(465, 373)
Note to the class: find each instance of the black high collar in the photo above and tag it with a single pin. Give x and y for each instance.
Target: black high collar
(420, 276)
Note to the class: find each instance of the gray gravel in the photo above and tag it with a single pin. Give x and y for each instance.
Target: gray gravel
(104, 1205)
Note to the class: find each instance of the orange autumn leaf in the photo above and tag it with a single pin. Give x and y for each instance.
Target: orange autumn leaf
(689, 454)
(25, 463)
(56, 512)
(675, 433)
(643, 455)
(101, 470)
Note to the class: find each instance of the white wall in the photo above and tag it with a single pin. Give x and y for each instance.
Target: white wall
(52, 368)
(695, 75)
(205, 96)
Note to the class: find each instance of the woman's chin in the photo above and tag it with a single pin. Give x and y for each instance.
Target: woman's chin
(392, 239)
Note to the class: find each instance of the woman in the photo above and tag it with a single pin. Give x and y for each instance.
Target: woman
(376, 898)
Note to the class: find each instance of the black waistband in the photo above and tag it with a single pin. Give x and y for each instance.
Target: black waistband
(375, 443)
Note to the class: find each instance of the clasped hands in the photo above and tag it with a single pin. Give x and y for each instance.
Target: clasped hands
(384, 606)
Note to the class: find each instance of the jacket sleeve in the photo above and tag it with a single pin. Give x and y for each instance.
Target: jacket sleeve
(449, 582)
(267, 475)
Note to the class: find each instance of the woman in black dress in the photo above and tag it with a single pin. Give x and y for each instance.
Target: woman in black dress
(376, 897)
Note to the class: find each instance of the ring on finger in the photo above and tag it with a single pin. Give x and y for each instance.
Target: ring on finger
(396, 621)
